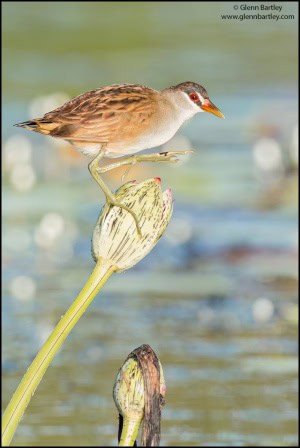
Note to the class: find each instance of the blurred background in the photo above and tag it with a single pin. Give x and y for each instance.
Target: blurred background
(217, 298)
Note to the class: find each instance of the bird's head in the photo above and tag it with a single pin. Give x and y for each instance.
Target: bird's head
(194, 98)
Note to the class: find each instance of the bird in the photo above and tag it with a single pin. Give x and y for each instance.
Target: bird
(121, 120)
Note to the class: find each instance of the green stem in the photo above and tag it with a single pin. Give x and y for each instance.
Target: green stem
(130, 430)
(38, 367)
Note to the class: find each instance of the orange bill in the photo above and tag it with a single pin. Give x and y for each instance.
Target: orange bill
(208, 106)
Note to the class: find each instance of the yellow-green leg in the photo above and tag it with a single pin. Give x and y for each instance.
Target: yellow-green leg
(169, 156)
(95, 169)
(110, 197)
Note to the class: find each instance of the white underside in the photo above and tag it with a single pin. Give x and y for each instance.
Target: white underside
(146, 141)
(161, 135)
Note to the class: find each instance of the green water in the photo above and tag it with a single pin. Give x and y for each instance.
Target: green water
(217, 298)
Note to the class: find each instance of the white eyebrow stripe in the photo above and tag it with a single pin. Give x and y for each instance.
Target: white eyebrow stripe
(201, 97)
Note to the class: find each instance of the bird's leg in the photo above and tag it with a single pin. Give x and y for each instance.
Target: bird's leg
(110, 197)
(168, 156)
(95, 169)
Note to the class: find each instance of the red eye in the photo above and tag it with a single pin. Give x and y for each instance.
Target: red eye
(194, 96)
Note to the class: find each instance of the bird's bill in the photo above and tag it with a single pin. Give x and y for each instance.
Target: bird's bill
(208, 106)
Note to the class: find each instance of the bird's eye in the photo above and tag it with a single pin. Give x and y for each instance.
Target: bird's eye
(194, 97)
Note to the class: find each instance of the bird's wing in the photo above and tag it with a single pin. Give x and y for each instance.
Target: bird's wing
(102, 112)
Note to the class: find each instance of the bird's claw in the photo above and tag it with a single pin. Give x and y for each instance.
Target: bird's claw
(113, 203)
(171, 156)
(187, 151)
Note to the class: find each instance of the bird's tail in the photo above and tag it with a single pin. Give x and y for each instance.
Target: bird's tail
(38, 125)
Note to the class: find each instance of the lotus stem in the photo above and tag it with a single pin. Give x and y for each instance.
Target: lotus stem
(38, 367)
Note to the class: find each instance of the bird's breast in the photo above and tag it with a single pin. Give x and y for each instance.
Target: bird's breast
(156, 134)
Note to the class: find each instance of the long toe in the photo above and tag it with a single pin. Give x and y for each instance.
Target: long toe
(124, 207)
